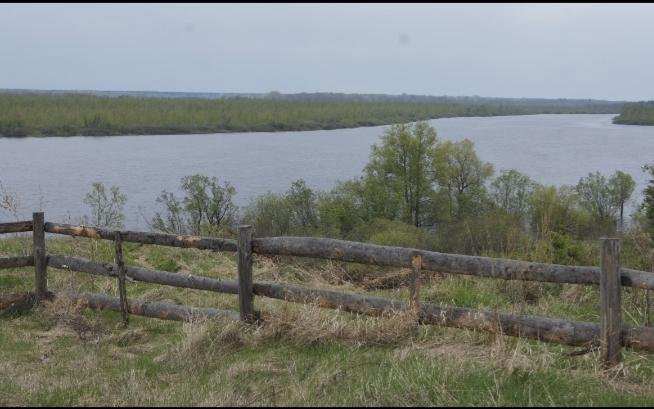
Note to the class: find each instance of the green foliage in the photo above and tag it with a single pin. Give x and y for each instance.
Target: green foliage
(106, 207)
(462, 175)
(596, 196)
(401, 168)
(270, 215)
(622, 186)
(636, 113)
(341, 213)
(76, 114)
(302, 206)
(556, 209)
(394, 233)
(294, 212)
(206, 209)
(648, 202)
(511, 191)
(419, 192)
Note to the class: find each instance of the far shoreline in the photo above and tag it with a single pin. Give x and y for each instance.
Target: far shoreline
(162, 132)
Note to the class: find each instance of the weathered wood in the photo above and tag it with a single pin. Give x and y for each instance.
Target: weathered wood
(159, 310)
(172, 240)
(144, 275)
(573, 333)
(610, 302)
(636, 278)
(245, 292)
(16, 227)
(122, 289)
(341, 250)
(544, 329)
(414, 283)
(40, 264)
(11, 262)
(363, 304)
(355, 252)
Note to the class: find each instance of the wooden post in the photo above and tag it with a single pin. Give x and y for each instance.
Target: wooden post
(245, 281)
(414, 284)
(40, 263)
(610, 302)
(122, 289)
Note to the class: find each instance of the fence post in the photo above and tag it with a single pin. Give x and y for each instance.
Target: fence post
(610, 302)
(122, 289)
(414, 284)
(245, 286)
(40, 264)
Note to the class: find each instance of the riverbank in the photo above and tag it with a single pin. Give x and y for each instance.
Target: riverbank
(636, 113)
(24, 115)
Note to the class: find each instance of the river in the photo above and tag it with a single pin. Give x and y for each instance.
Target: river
(54, 173)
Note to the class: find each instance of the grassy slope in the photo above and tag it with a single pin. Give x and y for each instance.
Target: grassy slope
(58, 355)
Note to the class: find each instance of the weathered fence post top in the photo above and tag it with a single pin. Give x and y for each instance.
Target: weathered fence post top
(122, 289)
(40, 262)
(245, 280)
(610, 302)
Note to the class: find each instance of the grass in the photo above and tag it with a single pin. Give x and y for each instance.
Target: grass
(60, 354)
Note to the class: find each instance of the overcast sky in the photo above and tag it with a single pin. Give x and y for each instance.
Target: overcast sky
(506, 50)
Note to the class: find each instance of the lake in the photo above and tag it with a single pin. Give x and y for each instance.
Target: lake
(55, 173)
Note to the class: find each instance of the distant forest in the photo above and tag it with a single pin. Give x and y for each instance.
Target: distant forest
(636, 113)
(100, 113)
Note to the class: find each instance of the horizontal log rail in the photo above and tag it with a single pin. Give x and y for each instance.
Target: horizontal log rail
(151, 309)
(16, 227)
(13, 262)
(539, 328)
(144, 275)
(172, 240)
(356, 252)
(349, 251)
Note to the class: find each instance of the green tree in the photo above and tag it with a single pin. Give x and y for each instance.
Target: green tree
(302, 205)
(596, 196)
(648, 202)
(106, 206)
(462, 174)
(172, 220)
(511, 191)
(622, 186)
(400, 169)
(341, 212)
(555, 210)
(206, 208)
(270, 214)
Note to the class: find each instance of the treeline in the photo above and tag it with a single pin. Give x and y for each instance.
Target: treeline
(636, 113)
(418, 191)
(68, 115)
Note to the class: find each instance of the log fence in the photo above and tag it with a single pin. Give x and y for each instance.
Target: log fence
(610, 335)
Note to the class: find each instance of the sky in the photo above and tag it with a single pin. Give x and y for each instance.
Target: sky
(600, 51)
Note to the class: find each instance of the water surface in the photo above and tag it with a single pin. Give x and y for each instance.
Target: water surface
(55, 173)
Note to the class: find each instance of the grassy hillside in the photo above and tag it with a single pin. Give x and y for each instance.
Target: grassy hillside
(60, 354)
(636, 113)
(80, 114)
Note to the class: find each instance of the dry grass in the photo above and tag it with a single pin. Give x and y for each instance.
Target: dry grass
(67, 314)
(204, 338)
(301, 354)
(308, 324)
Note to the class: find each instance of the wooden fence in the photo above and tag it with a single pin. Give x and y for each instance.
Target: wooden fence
(610, 335)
